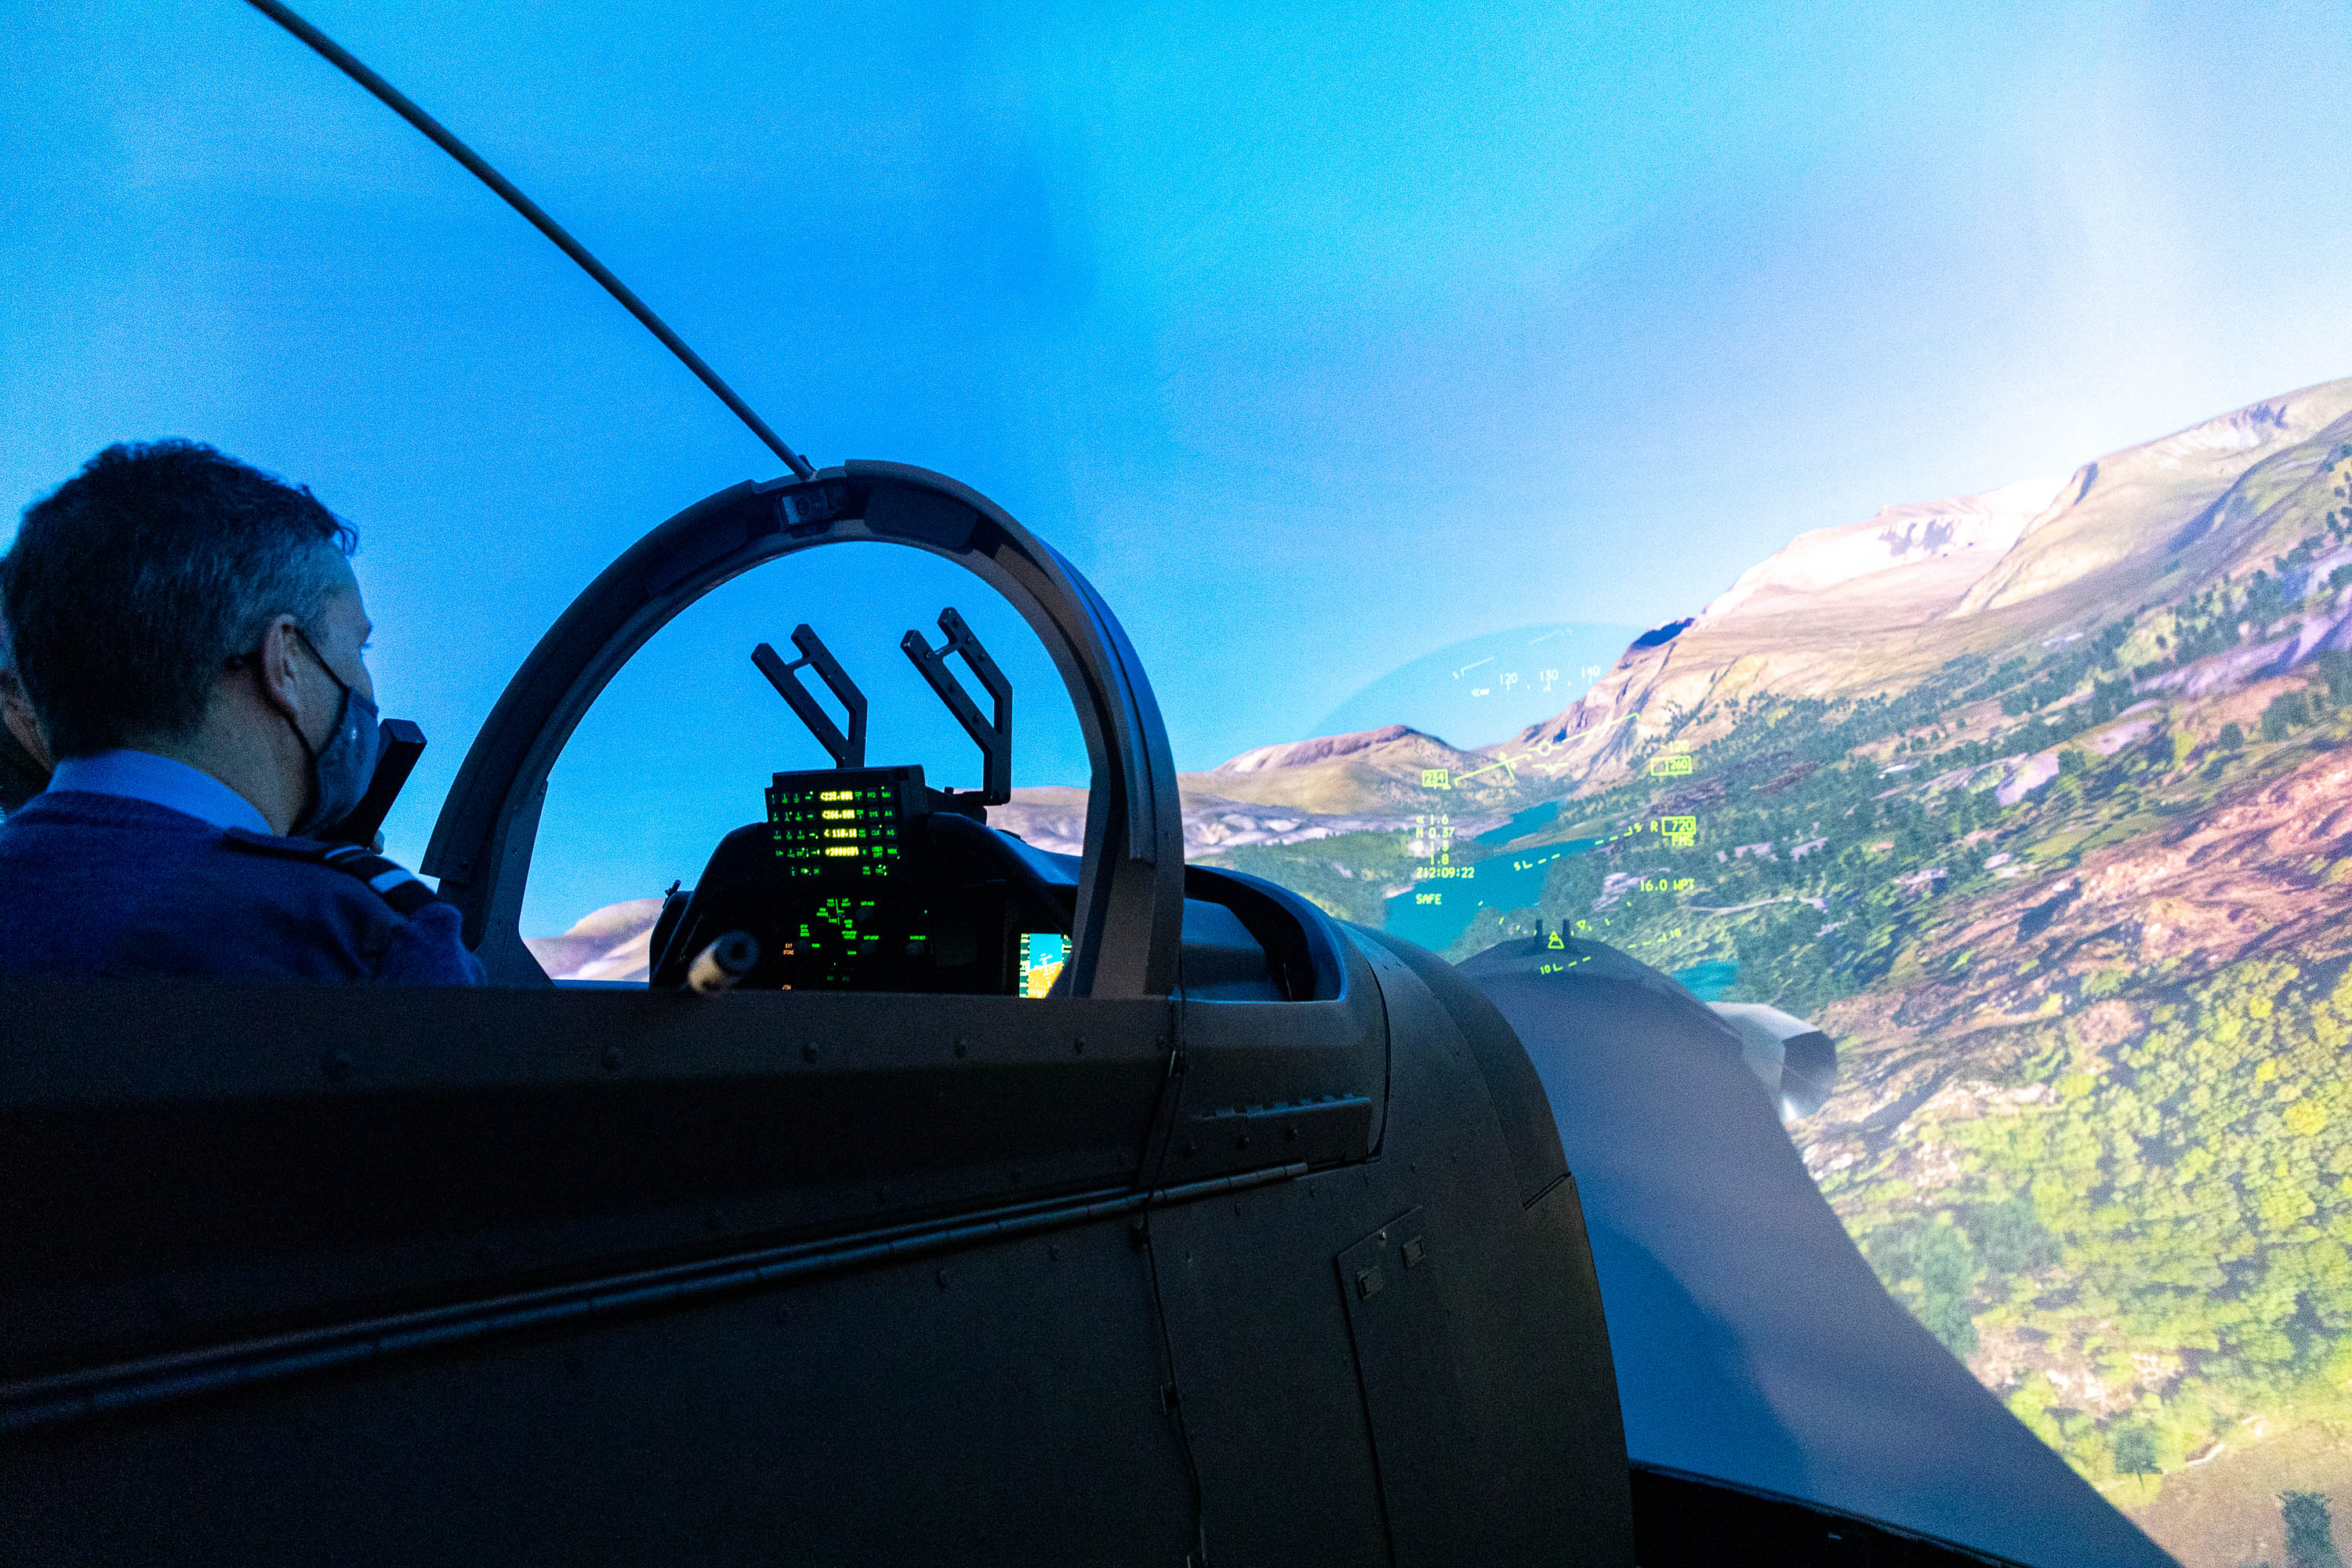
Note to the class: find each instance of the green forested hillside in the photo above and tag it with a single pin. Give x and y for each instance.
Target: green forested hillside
(2142, 1242)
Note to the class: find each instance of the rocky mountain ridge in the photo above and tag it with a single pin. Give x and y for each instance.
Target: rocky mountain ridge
(2209, 504)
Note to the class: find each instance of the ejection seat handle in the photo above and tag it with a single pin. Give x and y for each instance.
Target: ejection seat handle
(849, 750)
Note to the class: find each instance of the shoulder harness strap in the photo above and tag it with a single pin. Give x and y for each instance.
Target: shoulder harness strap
(395, 884)
(392, 882)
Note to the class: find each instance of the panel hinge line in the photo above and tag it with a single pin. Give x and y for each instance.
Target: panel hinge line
(68, 1397)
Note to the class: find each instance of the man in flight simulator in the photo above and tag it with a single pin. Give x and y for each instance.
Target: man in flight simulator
(188, 641)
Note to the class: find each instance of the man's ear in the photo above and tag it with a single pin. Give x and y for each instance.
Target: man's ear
(275, 664)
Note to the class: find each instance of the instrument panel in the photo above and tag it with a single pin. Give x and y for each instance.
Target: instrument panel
(867, 880)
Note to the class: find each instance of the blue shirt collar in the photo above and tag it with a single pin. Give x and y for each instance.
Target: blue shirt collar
(160, 781)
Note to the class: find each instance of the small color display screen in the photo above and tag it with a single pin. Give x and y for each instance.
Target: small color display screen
(1042, 953)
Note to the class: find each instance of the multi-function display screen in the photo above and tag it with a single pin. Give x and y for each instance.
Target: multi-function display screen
(1041, 956)
(842, 826)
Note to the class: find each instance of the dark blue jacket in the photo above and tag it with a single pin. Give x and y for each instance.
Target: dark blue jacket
(103, 885)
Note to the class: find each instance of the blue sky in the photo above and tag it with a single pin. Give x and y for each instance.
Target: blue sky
(1321, 337)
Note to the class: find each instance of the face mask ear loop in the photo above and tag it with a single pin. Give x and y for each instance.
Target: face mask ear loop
(320, 660)
(309, 764)
(343, 765)
(310, 754)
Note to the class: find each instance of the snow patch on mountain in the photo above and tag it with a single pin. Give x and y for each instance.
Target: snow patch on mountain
(1900, 535)
(2247, 429)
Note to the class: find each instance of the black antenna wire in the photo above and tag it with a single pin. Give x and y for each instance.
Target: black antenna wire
(342, 60)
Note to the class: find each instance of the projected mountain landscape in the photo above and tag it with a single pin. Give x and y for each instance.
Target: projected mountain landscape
(2039, 803)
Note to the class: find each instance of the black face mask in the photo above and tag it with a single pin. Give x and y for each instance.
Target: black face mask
(342, 769)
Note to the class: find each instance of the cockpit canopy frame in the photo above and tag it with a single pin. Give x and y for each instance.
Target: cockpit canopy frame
(1130, 893)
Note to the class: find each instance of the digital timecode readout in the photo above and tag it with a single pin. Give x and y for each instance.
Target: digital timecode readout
(841, 828)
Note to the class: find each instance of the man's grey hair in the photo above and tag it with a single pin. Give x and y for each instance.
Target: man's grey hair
(133, 585)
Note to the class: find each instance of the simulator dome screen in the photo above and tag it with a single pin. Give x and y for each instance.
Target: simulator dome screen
(1850, 508)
